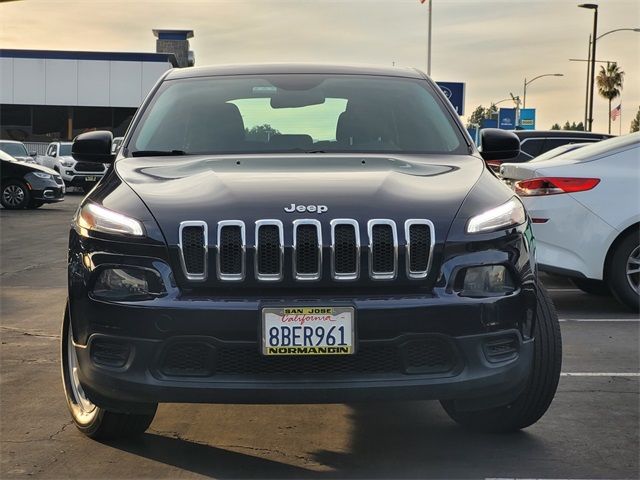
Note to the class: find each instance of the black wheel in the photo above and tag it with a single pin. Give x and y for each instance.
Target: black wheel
(594, 287)
(624, 271)
(15, 195)
(92, 420)
(35, 204)
(534, 401)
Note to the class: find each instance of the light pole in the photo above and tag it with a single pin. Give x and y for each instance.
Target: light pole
(594, 36)
(429, 50)
(524, 94)
(619, 30)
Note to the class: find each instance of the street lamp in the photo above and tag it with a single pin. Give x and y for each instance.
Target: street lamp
(524, 94)
(619, 30)
(594, 36)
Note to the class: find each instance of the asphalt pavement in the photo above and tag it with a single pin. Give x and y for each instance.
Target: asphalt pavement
(590, 431)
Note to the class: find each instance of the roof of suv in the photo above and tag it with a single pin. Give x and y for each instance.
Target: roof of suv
(291, 68)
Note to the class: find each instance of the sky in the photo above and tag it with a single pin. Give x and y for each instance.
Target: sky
(491, 45)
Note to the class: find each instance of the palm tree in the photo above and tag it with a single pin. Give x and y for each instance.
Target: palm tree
(610, 80)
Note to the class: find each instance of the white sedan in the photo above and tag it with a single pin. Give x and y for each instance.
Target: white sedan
(585, 209)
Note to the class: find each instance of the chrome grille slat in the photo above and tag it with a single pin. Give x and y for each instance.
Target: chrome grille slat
(231, 250)
(419, 250)
(307, 249)
(383, 249)
(344, 253)
(194, 249)
(269, 258)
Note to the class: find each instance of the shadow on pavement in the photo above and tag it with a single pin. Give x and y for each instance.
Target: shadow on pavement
(208, 460)
(391, 440)
(418, 440)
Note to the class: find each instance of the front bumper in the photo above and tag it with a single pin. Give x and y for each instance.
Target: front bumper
(82, 180)
(475, 381)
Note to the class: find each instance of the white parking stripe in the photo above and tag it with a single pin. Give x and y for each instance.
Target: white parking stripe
(636, 320)
(599, 374)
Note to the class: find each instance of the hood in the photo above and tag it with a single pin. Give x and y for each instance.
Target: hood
(253, 187)
(34, 167)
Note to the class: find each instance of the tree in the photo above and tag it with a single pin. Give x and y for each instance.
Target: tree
(479, 114)
(260, 133)
(555, 126)
(610, 80)
(635, 123)
(569, 126)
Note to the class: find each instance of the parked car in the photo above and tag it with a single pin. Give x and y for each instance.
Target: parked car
(17, 150)
(75, 174)
(546, 156)
(365, 253)
(585, 207)
(27, 185)
(536, 142)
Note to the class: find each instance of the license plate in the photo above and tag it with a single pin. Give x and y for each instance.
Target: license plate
(90, 179)
(307, 331)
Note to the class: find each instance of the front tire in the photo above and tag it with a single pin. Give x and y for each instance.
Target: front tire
(92, 420)
(15, 195)
(541, 387)
(624, 271)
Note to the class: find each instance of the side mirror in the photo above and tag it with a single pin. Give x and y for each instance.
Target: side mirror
(93, 147)
(496, 144)
(33, 154)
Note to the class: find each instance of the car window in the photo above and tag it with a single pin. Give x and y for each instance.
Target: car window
(51, 151)
(14, 149)
(532, 146)
(294, 113)
(65, 149)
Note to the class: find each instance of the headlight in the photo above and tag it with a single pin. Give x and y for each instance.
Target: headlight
(508, 214)
(99, 219)
(67, 163)
(42, 175)
(128, 283)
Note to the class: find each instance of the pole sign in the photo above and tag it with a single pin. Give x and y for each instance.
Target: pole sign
(528, 118)
(507, 119)
(454, 91)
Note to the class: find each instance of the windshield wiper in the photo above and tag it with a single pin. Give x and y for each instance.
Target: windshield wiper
(157, 153)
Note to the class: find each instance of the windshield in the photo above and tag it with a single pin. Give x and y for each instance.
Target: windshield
(296, 113)
(65, 149)
(14, 149)
(558, 151)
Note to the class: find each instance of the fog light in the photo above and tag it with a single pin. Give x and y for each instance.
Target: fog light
(486, 281)
(128, 283)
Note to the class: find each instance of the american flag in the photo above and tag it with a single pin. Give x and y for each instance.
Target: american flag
(615, 113)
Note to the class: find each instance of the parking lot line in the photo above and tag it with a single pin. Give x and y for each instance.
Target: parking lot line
(636, 320)
(600, 374)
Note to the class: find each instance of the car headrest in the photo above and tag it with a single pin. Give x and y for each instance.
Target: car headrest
(362, 125)
(212, 127)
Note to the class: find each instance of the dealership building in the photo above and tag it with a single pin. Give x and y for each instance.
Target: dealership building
(48, 95)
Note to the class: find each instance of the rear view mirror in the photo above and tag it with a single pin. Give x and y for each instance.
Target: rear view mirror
(496, 144)
(296, 99)
(93, 147)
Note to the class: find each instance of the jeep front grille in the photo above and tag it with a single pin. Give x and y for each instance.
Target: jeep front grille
(306, 260)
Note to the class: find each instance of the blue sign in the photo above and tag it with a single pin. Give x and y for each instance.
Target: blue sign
(489, 123)
(528, 118)
(454, 91)
(507, 119)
